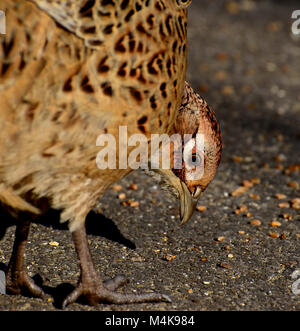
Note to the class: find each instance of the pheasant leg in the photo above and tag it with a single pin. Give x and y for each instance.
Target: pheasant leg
(17, 279)
(91, 286)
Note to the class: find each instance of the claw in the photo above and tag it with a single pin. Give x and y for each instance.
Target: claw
(104, 292)
(116, 282)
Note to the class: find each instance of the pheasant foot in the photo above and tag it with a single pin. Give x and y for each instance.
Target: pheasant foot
(17, 279)
(97, 292)
(91, 286)
(18, 282)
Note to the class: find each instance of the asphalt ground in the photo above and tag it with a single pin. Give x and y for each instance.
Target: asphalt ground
(240, 250)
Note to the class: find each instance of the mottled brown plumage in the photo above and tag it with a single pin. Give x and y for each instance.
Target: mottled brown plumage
(70, 71)
(63, 93)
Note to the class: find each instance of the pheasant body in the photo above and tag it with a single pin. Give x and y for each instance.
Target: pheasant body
(71, 73)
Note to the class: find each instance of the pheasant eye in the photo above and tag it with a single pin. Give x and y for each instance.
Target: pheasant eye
(195, 160)
(194, 157)
(183, 3)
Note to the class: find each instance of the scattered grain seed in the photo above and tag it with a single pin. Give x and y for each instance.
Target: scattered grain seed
(243, 208)
(293, 184)
(249, 215)
(239, 191)
(287, 216)
(255, 222)
(279, 167)
(221, 75)
(201, 208)
(237, 211)
(232, 7)
(280, 196)
(275, 223)
(203, 88)
(117, 187)
(254, 196)
(280, 158)
(170, 257)
(53, 243)
(230, 256)
(283, 236)
(222, 56)
(255, 181)
(134, 204)
(295, 203)
(247, 183)
(284, 205)
(292, 168)
(203, 259)
(227, 90)
(122, 196)
(280, 137)
(225, 265)
(296, 206)
(220, 239)
(190, 291)
(237, 159)
(273, 235)
(133, 187)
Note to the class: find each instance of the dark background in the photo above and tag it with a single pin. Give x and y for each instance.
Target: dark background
(246, 63)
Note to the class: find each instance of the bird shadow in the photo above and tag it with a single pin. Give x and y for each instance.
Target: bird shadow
(96, 225)
(58, 293)
(6, 221)
(99, 225)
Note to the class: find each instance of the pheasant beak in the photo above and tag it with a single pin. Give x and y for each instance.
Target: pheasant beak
(187, 200)
(187, 204)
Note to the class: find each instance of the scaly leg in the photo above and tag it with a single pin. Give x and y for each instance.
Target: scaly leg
(17, 279)
(91, 286)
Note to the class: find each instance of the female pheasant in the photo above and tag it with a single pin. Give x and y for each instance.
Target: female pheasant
(70, 71)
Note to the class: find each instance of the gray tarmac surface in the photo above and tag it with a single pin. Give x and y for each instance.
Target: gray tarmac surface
(245, 61)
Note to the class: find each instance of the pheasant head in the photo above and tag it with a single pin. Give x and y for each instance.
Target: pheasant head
(195, 152)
